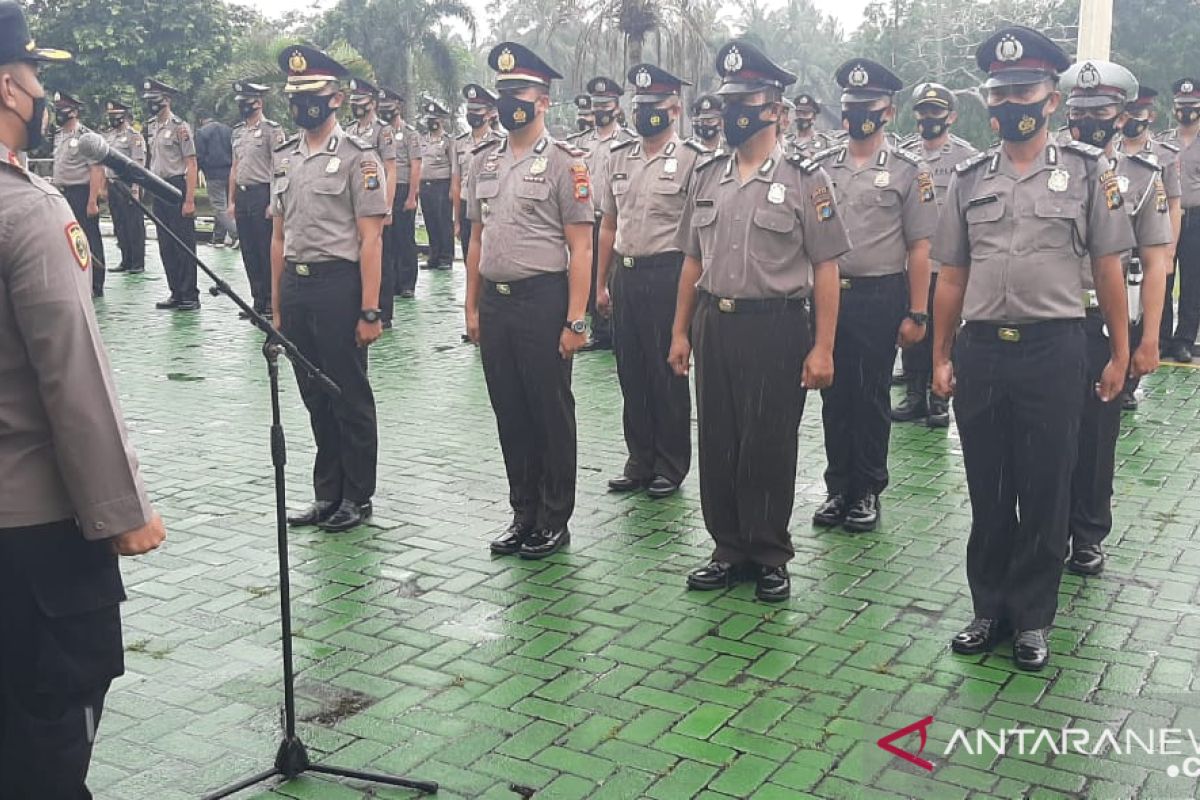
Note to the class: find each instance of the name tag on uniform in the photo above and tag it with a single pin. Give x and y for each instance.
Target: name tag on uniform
(982, 201)
(704, 203)
(333, 165)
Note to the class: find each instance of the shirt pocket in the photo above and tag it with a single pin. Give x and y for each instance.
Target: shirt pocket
(985, 227)
(279, 188)
(704, 220)
(533, 191)
(773, 238)
(330, 185)
(1058, 223)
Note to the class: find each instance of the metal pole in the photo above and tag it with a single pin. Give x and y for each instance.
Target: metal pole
(1095, 29)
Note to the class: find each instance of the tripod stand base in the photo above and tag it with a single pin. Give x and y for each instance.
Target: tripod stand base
(291, 760)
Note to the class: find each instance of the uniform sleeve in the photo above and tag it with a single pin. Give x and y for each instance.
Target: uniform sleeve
(387, 144)
(1109, 229)
(950, 243)
(455, 167)
(1173, 179)
(50, 295)
(920, 212)
(137, 148)
(608, 203)
(825, 237)
(1151, 222)
(414, 146)
(187, 143)
(474, 210)
(368, 187)
(687, 238)
(574, 192)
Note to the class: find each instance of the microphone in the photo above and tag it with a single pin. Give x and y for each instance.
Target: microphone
(93, 147)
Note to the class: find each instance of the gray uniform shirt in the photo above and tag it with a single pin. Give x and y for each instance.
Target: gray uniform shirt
(321, 194)
(253, 150)
(941, 162)
(64, 450)
(760, 239)
(600, 148)
(811, 145)
(888, 204)
(1189, 167)
(1166, 156)
(127, 142)
(1145, 200)
(437, 157)
(408, 149)
(171, 145)
(464, 148)
(647, 195)
(524, 205)
(1022, 236)
(70, 168)
(379, 136)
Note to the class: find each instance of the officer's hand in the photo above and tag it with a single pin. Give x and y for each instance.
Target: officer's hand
(189, 208)
(388, 219)
(140, 540)
(1112, 381)
(267, 212)
(910, 333)
(943, 379)
(367, 332)
(231, 210)
(818, 369)
(603, 301)
(410, 205)
(473, 326)
(457, 229)
(1145, 359)
(276, 318)
(680, 356)
(570, 342)
(93, 208)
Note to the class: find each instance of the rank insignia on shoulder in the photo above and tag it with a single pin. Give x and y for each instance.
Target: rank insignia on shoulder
(803, 163)
(569, 148)
(966, 166)
(1112, 190)
(79, 246)
(1084, 149)
(692, 144)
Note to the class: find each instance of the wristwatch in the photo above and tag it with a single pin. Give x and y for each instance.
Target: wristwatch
(919, 317)
(371, 315)
(576, 326)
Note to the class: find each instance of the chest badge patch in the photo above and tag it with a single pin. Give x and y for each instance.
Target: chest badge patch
(776, 193)
(333, 166)
(538, 166)
(883, 180)
(79, 246)
(1058, 181)
(671, 166)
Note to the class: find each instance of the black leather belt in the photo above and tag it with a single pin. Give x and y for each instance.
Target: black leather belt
(245, 187)
(757, 305)
(525, 285)
(673, 259)
(872, 283)
(1024, 332)
(307, 269)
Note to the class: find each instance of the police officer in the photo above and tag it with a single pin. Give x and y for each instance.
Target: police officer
(399, 238)
(760, 233)
(80, 181)
(605, 94)
(647, 188)
(806, 139)
(173, 158)
(1097, 93)
(71, 496)
(706, 122)
(128, 222)
(481, 119)
(888, 199)
(936, 111)
(585, 120)
(364, 101)
(436, 166)
(1016, 222)
(254, 141)
(1177, 346)
(528, 273)
(329, 202)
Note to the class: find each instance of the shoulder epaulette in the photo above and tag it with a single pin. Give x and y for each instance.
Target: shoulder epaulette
(176, 120)
(626, 132)
(1146, 162)
(462, 136)
(410, 127)
(958, 140)
(291, 140)
(692, 144)
(827, 153)
(621, 145)
(272, 123)
(719, 155)
(570, 149)
(485, 144)
(907, 155)
(1083, 149)
(239, 125)
(963, 167)
(1174, 148)
(803, 163)
(359, 142)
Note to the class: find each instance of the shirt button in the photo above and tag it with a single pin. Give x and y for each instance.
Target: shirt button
(98, 526)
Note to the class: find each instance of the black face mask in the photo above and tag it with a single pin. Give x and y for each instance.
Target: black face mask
(604, 118)
(359, 110)
(1187, 115)
(1134, 128)
(115, 120)
(247, 109)
(514, 112)
(476, 121)
(388, 114)
(863, 122)
(35, 126)
(153, 107)
(931, 128)
(1096, 132)
(743, 121)
(1019, 122)
(583, 125)
(433, 125)
(803, 125)
(61, 117)
(706, 132)
(310, 111)
(651, 121)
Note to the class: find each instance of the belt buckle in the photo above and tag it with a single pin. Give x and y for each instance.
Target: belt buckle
(302, 269)
(504, 289)
(845, 283)
(727, 305)
(1009, 334)
(1091, 299)
(627, 262)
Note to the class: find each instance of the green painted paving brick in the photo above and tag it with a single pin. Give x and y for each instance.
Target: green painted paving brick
(685, 780)
(744, 775)
(574, 762)
(704, 721)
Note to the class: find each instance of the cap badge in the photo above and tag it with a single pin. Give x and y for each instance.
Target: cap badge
(601, 86)
(1058, 181)
(297, 62)
(471, 93)
(858, 76)
(507, 61)
(1009, 49)
(146, 85)
(706, 104)
(931, 93)
(1089, 76)
(1186, 87)
(581, 102)
(733, 62)
(642, 79)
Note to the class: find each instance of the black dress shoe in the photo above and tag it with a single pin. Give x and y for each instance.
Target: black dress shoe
(544, 542)
(661, 487)
(1086, 559)
(445, 267)
(912, 407)
(511, 540)
(1031, 650)
(624, 483)
(1129, 401)
(98, 292)
(316, 513)
(864, 515)
(348, 515)
(1180, 353)
(119, 268)
(408, 294)
(939, 412)
(429, 265)
(716, 575)
(386, 324)
(169, 303)
(774, 585)
(188, 305)
(831, 512)
(980, 636)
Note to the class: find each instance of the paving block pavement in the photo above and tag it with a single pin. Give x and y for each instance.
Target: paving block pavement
(595, 673)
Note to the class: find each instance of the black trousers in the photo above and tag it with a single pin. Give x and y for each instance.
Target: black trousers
(399, 268)
(77, 198)
(601, 325)
(1187, 272)
(320, 313)
(918, 359)
(439, 220)
(658, 407)
(254, 229)
(60, 623)
(129, 225)
(856, 410)
(1018, 406)
(177, 261)
(529, 384)
(1099, 427)
(464, 229)
(748, 404)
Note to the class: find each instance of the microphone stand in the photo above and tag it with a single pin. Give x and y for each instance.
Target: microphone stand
(291, 759)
